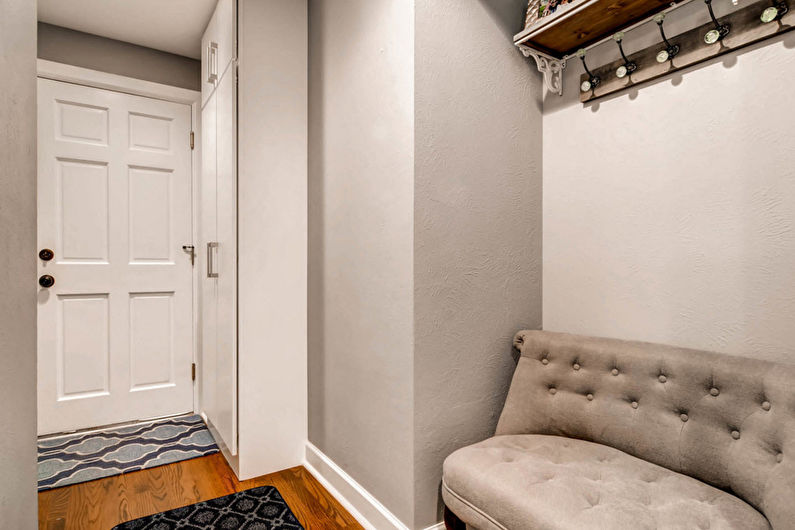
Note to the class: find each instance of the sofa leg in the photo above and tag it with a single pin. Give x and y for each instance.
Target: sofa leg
(452, 522)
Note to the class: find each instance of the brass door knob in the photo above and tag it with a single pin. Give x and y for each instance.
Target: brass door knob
(46, 280)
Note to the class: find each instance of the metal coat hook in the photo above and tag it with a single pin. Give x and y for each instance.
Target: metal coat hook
(775, 12)
(720, 31)
(672, 49)
(629, 66)
(593, 80)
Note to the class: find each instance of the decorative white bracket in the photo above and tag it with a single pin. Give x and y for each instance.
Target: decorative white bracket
(551, 67)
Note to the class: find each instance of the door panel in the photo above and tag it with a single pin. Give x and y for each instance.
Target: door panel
(151, 340)
(225, 420)
(225, 34)
(114, 203)
(83, 350)
(150, 212)
(82, 210)
(150, 133)
(209, 234)
(219, 226)
(81, 122)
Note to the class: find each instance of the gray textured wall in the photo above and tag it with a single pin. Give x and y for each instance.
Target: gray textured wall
(18, 265)
(425, 234)
(68, 46)
(360, 242)
(669, 210)
(477, 230)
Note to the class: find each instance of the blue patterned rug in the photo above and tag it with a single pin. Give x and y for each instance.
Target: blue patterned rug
(83, 457)
(260, 508)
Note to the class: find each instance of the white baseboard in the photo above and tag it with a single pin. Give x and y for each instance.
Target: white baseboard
(362, 505)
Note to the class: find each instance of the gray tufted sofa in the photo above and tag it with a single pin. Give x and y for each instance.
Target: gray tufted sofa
(607, 434)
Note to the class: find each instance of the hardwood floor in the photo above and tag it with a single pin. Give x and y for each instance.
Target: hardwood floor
(102, 504)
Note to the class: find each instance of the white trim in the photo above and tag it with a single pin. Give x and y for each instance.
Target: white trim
(119, 83)
(196, 158)
(364, 507)
(77, 75)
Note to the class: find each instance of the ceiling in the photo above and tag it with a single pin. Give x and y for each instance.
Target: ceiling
(174, 26)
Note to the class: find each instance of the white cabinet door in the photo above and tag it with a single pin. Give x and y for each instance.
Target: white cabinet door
(208, 258)
(226, 24)
(114, 204)
(225, 420)
(219, 46)
(219, 228)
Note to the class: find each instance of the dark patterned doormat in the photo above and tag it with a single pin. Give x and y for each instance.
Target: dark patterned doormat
(82, 457)
(256, 509)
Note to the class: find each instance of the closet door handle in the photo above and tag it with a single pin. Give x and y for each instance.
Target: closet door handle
(211, 272)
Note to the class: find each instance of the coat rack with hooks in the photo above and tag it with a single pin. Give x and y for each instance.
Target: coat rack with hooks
(746, 24)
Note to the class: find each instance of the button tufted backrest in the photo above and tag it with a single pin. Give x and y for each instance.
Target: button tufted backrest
(728, 421)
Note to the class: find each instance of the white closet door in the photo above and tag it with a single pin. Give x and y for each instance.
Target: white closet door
(226, 178)
(225, 22)
(209, 237)
(219, 230)
(115, 339)
(219, 247)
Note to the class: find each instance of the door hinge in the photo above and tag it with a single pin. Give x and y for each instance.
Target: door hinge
(193, 371)
(191, 140)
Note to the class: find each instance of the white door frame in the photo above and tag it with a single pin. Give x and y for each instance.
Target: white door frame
(138, 87)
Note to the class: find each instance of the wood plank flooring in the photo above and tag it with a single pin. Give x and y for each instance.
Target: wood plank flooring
(102, 504)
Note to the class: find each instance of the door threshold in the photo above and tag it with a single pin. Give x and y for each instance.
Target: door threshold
(131, 423)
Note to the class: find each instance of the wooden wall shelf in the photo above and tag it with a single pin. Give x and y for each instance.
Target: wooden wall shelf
(586, 23)
(555, 39)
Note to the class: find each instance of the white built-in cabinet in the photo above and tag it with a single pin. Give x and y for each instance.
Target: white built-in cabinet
(253, 367)
(218, 365)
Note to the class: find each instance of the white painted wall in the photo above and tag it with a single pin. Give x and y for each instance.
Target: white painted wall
(68, 46)
(272, 235)
(669, 211)
(477, 226)
(361, 224)
(18, 265)
(150, 23)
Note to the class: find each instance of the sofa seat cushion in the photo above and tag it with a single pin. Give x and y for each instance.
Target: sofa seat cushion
(543, 482)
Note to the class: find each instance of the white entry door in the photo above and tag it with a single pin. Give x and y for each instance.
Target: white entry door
(115, 330)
